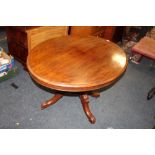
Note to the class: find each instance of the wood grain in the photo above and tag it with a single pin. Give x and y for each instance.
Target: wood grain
(21, 39)
(43, 33)
(76, 64)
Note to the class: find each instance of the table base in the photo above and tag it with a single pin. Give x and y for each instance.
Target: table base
(84, 100)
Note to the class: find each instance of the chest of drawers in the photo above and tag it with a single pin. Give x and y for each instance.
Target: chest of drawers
(113, 33)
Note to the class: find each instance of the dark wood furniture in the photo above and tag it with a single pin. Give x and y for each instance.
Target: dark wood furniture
(21, 39)
(76, 64)
(112, 33)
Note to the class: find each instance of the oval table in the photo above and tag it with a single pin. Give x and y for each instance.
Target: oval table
(76, 64)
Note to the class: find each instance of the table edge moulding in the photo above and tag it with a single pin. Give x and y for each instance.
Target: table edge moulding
(76, 64)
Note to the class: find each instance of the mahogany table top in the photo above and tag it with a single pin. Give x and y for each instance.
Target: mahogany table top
(76, 64)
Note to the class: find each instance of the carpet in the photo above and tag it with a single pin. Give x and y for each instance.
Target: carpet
(122, 106)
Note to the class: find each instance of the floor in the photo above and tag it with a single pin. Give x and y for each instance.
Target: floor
(122, 106)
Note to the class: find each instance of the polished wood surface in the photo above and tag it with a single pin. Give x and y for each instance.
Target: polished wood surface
(51, 101)
(43, 33)
(21, 39)
(76, 64)
(85, 104)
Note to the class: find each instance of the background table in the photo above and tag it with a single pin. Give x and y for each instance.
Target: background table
(76, 64)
